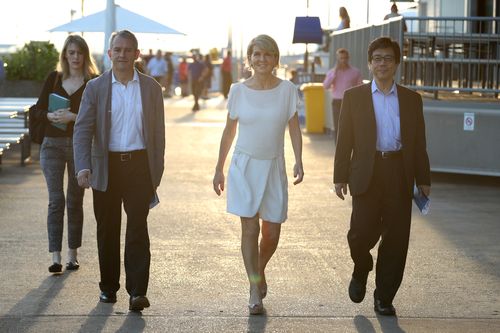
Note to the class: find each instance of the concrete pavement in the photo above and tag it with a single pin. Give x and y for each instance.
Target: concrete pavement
(198, 283)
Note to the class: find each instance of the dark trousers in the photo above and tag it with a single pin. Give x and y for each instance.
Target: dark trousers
(227, 80)
(336, 104)
(196, 87)
(383, 212)
(129, 182)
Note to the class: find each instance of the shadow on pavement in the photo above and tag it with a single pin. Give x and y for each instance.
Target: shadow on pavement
(257, 324)
(96, 319)
(363, 324)
(389, 324)
(133, 323)
(35, 303)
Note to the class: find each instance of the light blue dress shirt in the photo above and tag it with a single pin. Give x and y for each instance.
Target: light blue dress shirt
(386, 108)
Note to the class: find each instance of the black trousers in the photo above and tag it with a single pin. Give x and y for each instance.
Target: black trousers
(129, 182)
(383, 212)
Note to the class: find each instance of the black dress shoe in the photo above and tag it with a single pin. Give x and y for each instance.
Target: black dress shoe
(72, 266)
(383, 308)
(138, 303)
(107, 297)
(357, 290)
(55, 268)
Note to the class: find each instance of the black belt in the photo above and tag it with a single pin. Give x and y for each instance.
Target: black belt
(126, 155)
(388, 154)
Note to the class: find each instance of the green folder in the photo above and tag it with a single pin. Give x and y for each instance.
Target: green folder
(57, 102)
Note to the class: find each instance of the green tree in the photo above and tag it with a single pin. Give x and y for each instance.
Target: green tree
(33, 62)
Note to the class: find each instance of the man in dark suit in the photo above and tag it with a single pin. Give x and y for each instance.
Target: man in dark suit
(381, 153)
(119, 145)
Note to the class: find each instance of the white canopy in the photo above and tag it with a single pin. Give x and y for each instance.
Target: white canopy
(125, 19)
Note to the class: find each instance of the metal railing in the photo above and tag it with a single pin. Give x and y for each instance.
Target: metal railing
(439, 53)
(452, 54)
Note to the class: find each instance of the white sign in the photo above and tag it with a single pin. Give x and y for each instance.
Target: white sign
(468, 121)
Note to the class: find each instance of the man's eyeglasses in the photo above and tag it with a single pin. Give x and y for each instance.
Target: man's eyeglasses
(380, 59)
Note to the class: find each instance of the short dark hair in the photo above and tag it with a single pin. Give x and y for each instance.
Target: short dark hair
(124, 34)
(384, 43)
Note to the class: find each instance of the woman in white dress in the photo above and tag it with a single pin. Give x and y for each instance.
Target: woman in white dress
(262, 106)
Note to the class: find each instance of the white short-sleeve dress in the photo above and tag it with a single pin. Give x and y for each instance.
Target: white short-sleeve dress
(257, 181)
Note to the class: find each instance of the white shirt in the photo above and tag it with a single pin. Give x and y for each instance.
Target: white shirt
(157, 67)
(387, 117)
(126, 116)
(262, 116)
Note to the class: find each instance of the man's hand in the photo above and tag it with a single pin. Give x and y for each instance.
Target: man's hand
(425, 189)
(84, 178)
(341, 190)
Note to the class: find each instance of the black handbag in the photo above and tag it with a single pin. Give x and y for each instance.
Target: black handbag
(37, 122)
(36, 125)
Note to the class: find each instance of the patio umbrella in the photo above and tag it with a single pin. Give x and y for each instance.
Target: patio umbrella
(115, 18)
(125, 19)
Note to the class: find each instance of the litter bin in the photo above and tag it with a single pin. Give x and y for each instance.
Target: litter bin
(314, 102)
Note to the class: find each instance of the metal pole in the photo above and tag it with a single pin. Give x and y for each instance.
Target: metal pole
(367, 11)
(108, 30)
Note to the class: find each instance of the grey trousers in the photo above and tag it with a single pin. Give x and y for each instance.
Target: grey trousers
(55, 154)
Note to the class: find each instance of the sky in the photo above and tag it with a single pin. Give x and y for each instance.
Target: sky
(205, 23)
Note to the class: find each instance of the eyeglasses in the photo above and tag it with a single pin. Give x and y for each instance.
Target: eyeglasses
(379, 59)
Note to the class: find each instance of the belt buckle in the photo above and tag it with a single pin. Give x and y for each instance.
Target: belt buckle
(125, 157)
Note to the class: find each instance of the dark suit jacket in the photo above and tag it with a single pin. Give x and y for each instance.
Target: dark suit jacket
(356, 143)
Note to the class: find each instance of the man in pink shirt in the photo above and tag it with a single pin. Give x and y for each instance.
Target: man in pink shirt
(340, 78)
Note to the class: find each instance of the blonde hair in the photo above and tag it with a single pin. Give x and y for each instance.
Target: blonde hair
(89, 68)
(266, 43)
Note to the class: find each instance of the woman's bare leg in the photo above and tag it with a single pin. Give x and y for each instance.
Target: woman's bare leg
(250, 230)
(268, 244)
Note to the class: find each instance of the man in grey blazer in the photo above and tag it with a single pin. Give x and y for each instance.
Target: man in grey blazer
(381, 153)
(119, 145)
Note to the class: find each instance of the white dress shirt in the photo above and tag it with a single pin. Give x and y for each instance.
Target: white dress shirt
(387, 117)
(126, 116)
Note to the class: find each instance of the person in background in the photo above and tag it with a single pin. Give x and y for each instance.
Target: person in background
(207, 82)
(197, 72)
(260, 107)
(76, 67)
(226, 70)
(157, 67)
(119, 147)
(381, 154)
(338, 79)
(294, 76)
(147, 57)
(394, 13)
(170, 74)
(345, 20)
(184, 77)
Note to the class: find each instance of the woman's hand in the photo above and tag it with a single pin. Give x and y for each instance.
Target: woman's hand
(218, 182)
(61, 116)
(298, 173)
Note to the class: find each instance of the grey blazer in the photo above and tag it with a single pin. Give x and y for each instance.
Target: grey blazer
(93, 124)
